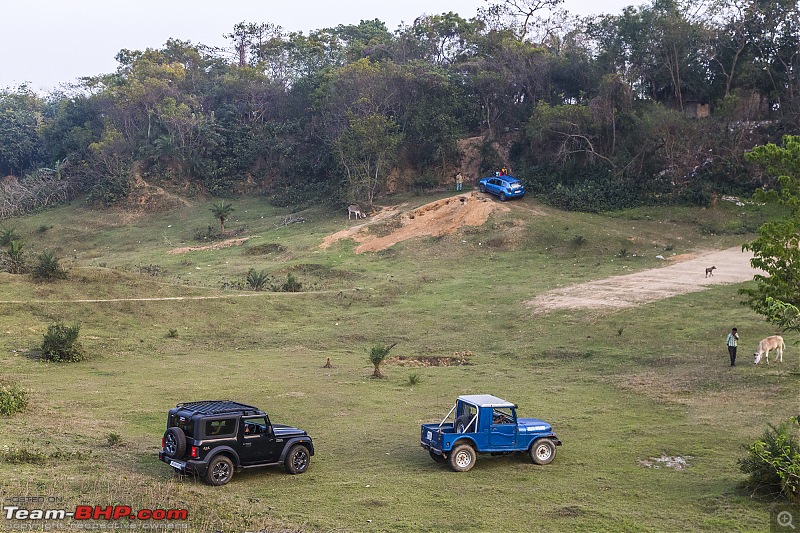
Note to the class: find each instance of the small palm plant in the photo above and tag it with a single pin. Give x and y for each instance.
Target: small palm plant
(222, 211)
(257, 280)
(376, 356)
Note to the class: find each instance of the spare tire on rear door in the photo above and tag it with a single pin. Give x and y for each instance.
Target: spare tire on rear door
(461, 423)
(174, 443)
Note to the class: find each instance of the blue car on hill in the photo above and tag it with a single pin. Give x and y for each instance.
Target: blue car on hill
(504, 187)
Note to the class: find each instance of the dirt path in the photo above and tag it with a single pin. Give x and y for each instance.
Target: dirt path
(619, 292)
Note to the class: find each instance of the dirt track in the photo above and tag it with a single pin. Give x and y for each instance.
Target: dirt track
(619, 292)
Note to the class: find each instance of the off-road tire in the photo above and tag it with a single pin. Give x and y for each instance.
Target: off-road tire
(543, 451)
(462, 458)
(502, 197)
(297, 460)
(481, 188)
(174, 443)
(220, 471)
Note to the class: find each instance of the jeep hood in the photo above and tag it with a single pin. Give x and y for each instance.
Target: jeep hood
(282, 430)
(533, 425)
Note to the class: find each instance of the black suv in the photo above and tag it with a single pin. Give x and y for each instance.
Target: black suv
(211, 438)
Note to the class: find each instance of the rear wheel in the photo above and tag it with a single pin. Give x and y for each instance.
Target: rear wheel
(220, 471)
(543, 451)
(174, 443)
(297, 460)
(462, 458)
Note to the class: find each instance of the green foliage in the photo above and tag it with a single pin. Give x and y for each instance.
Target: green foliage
(111, 190)
(257, 281)
(292, 284)
(7, 235)
(13, 399)
(16, 257)
(48, 267)
(61, 344)
(773, 461)
(172, 333)
(777, 249)
(113, 439)
(377, 354)
(413, 379)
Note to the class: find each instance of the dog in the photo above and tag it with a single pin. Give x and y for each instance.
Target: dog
(710, 271)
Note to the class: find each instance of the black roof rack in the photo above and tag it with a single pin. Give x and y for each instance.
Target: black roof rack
(214, 407)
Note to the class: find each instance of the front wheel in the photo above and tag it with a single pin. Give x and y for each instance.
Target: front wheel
(297, 460)
(220, 471)
(482, 187)
(502, 197)
(462, 458)
(543, 451)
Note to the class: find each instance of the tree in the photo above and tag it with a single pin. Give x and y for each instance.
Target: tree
(777, 249)
(222, 211)
(376, 356)
(367, 148)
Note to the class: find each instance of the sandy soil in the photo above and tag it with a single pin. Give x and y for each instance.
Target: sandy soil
(434, 219)
(685, 274)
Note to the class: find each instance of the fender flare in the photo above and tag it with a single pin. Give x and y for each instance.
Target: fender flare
(227, 450)
(305, 441)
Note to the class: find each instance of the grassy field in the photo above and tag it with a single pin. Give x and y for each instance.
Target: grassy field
(620, 389)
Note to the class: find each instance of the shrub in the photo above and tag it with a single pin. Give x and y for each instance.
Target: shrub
(291, 285)
(773, 461)
(61, 344)
(413, 379)
(7, 235)
(172, 334)
(12, 400)
(16, 257)
(48, 268)
(256, 281)
(113, 439)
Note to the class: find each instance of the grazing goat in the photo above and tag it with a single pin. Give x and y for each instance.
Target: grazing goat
(355, 209)
(710, 271)
(774, 342)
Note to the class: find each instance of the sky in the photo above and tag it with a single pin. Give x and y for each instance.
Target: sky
(45, 43)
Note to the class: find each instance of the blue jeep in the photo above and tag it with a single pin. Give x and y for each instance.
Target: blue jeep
(486, 423)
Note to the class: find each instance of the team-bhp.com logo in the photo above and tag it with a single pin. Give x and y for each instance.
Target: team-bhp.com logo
(94, 512)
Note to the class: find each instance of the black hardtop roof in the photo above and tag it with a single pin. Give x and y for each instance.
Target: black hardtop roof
(216, 407)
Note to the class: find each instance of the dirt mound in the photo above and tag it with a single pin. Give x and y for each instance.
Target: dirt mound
(685, 274)
(434, 219)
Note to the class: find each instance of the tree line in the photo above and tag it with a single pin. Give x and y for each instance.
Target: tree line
(658, 103)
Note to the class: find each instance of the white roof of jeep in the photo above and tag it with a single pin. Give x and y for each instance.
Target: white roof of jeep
(485, 400)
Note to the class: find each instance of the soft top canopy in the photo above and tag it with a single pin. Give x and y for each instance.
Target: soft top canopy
(485, 400)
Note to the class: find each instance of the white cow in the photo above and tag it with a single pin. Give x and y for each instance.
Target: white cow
(355, 209)
(774, 342)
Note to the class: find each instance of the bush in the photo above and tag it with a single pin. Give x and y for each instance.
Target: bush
(48, 268)
(256, 281)
(61, 344)
(7, 235)
(12, 400)
(291, 285)
(773, 461)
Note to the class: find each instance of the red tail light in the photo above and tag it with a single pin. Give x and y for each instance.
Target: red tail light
(162, 442)
(194, 452)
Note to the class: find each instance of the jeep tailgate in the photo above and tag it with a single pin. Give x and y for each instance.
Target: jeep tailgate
(431, 437)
